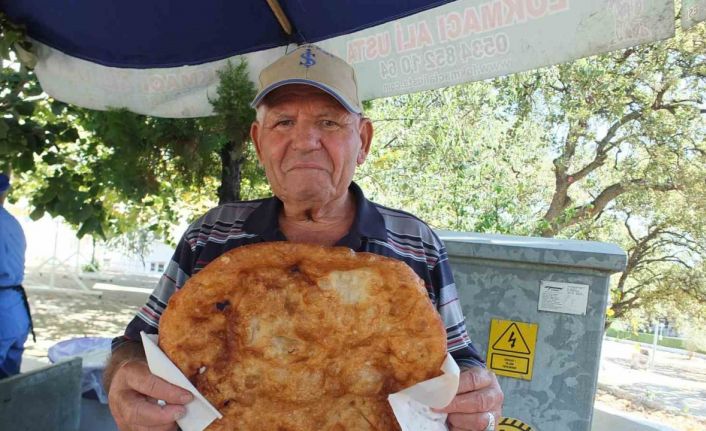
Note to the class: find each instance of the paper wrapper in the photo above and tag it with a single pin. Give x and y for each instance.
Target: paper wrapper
(199, 412)
(412, 406)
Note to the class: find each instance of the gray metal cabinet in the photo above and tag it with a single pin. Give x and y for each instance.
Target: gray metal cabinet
(501, 277)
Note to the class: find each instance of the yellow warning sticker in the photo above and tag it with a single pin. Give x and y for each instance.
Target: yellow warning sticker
(510, 424)
(511, 348)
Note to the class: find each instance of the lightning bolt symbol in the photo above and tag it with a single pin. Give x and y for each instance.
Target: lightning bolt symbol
(512, 339)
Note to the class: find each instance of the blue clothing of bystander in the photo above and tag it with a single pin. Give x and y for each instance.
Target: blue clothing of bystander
(12, 250)
(14, 315)
(14, 328)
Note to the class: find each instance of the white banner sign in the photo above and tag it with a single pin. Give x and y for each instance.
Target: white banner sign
(454, 43)
(473, 40)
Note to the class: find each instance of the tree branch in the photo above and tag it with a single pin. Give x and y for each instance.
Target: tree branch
(610, 193)
(627, 226)
(613, 129)
(560, 199)
(672, 259)
(697, 150)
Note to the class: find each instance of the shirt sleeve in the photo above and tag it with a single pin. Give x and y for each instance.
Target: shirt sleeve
(449, 307)
(175, 275)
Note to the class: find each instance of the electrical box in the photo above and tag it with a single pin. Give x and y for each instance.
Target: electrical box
(47, 398)
(535, 308)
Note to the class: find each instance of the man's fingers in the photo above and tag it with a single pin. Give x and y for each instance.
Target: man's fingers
(468, 421)
(132, 399)
(171, 427)
(473, 379)
(150, 385)
(140, 410)
(479, 401)
(482, 394)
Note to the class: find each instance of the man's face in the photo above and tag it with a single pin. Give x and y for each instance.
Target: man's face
(309, 144)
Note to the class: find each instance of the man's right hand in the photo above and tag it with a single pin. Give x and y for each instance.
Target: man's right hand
(133, 396)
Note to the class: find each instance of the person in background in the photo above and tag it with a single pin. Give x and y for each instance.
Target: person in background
(15, 320)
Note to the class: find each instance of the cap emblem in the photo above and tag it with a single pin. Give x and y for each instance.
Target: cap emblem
(308, 58)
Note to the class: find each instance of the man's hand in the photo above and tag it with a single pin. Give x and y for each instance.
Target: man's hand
(478, 394)
(133, 396)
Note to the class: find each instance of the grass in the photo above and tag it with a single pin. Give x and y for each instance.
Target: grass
(675, 343)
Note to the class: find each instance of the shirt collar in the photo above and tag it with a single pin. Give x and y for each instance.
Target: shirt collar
(368, 222)
(264, 220)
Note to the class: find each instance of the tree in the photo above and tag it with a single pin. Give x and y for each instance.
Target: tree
(235, 115)
(609, 148)
(109, 172)
(632, 118)
(666, 245)
(632, 131)
(449, 147)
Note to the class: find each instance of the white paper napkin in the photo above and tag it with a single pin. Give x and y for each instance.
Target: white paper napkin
(199, 412)
(412, 406)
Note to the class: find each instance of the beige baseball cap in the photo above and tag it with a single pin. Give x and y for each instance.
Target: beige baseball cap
(311, 65)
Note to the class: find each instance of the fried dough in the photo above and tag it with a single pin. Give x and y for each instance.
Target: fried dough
(300, 337)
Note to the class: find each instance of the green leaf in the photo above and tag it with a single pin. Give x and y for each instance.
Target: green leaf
(69, 135)
(50, 158)
(37, 213)
(84, 229)
(34, 89)
(85, 213)
(25, 108)
(4, 128)
(46, 195)
(25, 162)
(57, 107)
(4, 49)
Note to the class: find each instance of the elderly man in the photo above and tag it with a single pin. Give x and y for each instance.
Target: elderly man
(310, 135)
(15, 321)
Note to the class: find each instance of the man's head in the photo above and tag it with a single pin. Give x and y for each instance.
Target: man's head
(310, 133)
(4, 187)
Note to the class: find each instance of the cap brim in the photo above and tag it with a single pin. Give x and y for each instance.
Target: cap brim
(342, 100)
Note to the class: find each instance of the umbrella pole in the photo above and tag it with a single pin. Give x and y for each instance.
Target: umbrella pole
(281, 16)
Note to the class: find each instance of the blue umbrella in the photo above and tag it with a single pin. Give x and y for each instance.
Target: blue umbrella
(159, 34)
(161, 57)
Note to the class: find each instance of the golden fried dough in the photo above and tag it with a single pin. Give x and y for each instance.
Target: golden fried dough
(299, 337)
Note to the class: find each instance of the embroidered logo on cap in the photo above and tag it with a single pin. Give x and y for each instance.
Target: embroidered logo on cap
(308, 58)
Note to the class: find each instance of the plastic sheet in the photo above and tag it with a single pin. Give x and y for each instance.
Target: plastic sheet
(94, 351)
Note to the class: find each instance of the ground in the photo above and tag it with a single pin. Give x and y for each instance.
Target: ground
(673, 392)
(83, 313)
(678, 421)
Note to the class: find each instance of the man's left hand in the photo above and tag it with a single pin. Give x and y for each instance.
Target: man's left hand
(478, 394)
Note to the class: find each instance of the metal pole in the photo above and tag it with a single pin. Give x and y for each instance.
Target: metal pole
(53, 257)
(654, 345)
(78, 256)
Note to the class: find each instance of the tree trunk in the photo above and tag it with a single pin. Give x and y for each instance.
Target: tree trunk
(231, 164)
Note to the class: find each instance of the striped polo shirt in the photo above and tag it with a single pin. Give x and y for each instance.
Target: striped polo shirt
(375, 229)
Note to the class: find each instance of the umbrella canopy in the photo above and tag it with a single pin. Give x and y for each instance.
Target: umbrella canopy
(161, 57)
